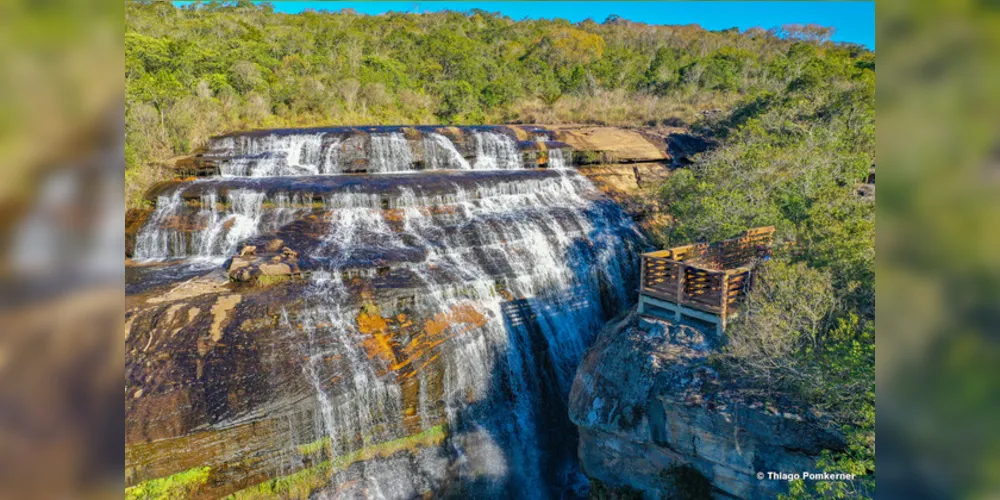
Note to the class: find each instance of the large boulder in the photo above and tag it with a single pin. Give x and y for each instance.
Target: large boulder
(266, 265)
(652, 412)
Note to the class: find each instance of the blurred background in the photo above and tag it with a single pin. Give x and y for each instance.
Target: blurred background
(938, 244)
(61, 246)
(62, 239)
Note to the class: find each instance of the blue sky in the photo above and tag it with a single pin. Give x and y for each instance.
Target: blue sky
(854, 21)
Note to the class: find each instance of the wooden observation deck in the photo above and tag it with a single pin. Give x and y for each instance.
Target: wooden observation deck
(705, 281)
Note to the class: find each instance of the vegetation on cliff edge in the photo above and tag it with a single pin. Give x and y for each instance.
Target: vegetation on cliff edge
(794, 158)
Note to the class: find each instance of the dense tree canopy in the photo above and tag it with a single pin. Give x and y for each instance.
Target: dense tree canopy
(213, 67)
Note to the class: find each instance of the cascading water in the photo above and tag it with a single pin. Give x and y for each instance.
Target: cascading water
(496, 151)
(557, 159)
(444, 313)
(331, 158)
(157, 239)
(216, 231)
(543, 266)
(390, 153)
(440, 153)
(296, 154)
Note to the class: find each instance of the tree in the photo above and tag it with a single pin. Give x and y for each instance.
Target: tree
(785, 313)
(246, 76)
(812, 33)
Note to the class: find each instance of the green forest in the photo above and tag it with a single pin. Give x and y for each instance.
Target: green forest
(793, 115)
(197, 71)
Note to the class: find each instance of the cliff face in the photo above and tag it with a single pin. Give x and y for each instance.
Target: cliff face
(646, 401)
(394, 312)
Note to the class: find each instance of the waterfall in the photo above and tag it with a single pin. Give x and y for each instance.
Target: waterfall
(331, 160)
(495, 151)
(545, 241)
(292, 154)
(271, 155)
(157, 240)
(390, 153)
(216, 233)
(557, 159)
(245, 215)
(446, 308)
(440, 153)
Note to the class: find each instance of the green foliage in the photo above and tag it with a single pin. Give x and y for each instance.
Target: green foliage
(723, 70)
(786, 314)
(210, 68)
(792, 157)
(458, 100)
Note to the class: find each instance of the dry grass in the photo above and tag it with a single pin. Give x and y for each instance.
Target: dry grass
(622, 108)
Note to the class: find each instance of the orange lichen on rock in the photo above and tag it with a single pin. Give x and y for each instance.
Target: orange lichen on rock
(379, 345)
(370, 322)
(379, 342)
(437, 330)
(462, 318)
(383, 335)
(394, 215)
(437, 324)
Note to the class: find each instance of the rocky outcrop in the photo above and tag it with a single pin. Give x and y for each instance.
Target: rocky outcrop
(609, 144)
(649, 406)
(268, 264)
(198, 355)
(619, 178)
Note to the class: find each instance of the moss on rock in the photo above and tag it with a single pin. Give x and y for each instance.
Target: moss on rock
(180, 485)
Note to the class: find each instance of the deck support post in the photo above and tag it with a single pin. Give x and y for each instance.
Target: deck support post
(724, 307)
(681, 284)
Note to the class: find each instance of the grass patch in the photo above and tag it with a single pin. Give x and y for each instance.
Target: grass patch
(180, 485)
(314, 447)
(298, 485)
(427, 438)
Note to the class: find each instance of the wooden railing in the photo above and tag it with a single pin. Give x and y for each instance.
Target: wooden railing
(709, 277)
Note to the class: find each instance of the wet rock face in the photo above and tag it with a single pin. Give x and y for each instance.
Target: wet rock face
(295, 327)
(216, 381)
(222, 383)
(198, 356)
(646, 401)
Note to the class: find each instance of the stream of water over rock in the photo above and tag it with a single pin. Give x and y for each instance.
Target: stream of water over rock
(517, 269)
